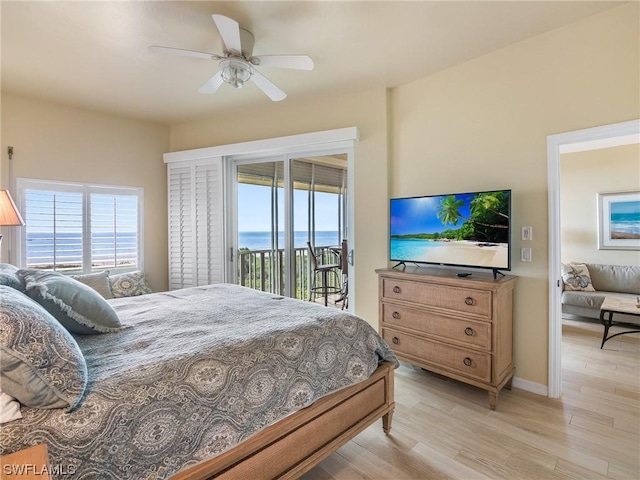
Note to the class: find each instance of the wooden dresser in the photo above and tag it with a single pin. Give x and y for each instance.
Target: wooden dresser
(458, 327)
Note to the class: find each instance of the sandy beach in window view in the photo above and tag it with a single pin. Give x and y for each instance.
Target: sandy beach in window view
(461, 252)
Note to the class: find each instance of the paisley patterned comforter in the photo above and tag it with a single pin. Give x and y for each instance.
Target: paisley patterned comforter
(196, 372)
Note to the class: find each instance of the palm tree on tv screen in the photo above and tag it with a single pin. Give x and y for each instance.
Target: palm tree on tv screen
(449, 211)
(487, 220)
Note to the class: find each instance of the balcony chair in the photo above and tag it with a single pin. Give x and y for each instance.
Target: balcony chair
(323, 270)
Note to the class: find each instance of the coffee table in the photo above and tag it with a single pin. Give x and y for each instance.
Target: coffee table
(613, 305)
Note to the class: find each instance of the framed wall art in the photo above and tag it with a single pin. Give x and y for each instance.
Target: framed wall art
(619, 220)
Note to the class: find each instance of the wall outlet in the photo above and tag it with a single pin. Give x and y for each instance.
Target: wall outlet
(525, 254)
(527, 233)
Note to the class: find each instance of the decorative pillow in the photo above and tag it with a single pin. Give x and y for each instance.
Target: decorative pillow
(575, 276)
(129, 284)
(9, 277)
(42, 365)
(79, 308)
(98, 281)
(9, 408)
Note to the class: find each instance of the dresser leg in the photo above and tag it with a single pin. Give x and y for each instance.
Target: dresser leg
(508, 384)
(386, 422)
(493, 400)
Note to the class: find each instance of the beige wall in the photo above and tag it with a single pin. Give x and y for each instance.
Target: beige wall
(583, 175)
(367, 111)
(484, 125)
(62, 143)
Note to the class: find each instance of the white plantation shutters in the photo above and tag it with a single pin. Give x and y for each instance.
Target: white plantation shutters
(180, 226)
(114, 231)
(79, 228)
(208, 215)
(54, 229)
(195, 223)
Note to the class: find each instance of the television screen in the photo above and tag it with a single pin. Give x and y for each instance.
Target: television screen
(459, 229)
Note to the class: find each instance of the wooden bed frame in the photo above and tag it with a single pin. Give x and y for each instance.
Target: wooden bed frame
(297, 443)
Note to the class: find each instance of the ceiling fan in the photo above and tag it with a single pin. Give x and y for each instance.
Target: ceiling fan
(237, 63)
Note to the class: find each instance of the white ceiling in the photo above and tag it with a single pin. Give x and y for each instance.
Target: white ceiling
(95, 55)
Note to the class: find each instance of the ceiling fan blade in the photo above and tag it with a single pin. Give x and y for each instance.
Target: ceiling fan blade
(229, 31)
(186, 53)
(268, 87)
(300, 62)
(213, 84)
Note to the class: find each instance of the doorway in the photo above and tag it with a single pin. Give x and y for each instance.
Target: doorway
(588, 139)
(280, 205)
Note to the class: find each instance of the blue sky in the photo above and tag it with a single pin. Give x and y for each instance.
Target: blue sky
(632, 206)
(254, 209)
(419, 214)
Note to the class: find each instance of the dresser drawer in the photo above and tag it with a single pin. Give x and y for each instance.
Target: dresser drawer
(470, 364)
(477, 302)
(462, 332)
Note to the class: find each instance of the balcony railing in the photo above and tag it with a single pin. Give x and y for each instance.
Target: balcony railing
(265, 270)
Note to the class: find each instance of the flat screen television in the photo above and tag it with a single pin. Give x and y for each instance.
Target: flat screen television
(457, 229)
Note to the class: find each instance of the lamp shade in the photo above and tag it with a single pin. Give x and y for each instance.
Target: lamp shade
(9, 215)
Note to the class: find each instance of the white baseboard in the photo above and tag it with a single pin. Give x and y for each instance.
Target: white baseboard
(529, 386)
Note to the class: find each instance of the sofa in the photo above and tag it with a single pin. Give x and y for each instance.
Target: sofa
(586, 285)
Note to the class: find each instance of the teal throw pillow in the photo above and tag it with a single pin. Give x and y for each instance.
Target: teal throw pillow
(78, 307)
(9, 277)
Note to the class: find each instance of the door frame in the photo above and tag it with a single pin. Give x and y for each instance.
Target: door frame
(623, 133)
(319, 143)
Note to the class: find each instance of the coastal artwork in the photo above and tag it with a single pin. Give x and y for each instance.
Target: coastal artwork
(470, 229)
(619, 221)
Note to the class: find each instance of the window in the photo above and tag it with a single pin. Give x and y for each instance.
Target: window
(79, 228)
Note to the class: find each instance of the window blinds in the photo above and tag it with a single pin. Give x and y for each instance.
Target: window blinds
(79, 228)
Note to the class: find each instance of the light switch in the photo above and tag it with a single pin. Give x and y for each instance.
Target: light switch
(525, 254)
(527, 233)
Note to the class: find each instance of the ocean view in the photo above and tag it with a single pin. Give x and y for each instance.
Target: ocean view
(626, 223)
(262, 240)
(69, 248)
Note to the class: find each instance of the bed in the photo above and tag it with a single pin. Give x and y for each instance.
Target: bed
(217, 381)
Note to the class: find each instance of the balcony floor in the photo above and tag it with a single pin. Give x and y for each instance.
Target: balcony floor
(331, 301)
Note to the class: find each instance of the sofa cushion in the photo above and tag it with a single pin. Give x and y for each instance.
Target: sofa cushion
(615, 278)
(583, 299)
(575, 276)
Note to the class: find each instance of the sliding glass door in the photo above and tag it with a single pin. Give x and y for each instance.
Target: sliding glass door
(280, 205)
(260, 234)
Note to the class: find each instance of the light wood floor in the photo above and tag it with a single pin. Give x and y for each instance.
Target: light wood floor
(443, 429)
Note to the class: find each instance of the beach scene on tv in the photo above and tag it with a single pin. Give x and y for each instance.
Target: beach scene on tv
(470, 229)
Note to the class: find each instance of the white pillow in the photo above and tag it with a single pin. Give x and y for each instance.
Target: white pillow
(575, 276)
(9, 408)
(98, 281)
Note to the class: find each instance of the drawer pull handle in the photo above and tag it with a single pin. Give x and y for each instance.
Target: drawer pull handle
(469, 331)
(467, 361)
(396, 340)
(396, 289)
(468, 301)
(395, 315)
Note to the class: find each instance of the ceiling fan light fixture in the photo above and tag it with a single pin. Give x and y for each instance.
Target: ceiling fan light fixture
(235, 72)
